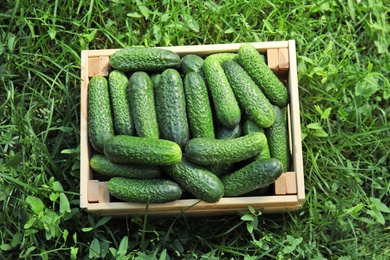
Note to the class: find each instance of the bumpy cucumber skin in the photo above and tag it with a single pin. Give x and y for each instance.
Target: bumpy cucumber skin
(197, 180)
(250, 127)
(199, 113)
(100, 122)
(100, 164)
(224, 101)
(144, 190)
(224, 56)
(191, 63)
(252, 100)
(144, 59)
(254, 63)
(277, 135)
(171, 108)
(141, 98)
(155, 77)
(123, 121)
(255, 175)
(142, 150)
(206, 151)
(220, 169)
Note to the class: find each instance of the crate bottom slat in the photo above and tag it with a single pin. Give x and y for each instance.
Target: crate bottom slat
(191, 207)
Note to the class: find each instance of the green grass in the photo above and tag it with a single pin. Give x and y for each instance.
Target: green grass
(344, 64)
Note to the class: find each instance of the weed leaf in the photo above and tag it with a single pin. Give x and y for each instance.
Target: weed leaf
(94, 249)
(379, 205)
(64, 203)
(122, 250)
(36, 204)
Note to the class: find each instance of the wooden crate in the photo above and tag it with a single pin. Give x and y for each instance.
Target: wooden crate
(288, 190)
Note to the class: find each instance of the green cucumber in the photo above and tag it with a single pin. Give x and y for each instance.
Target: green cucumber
(278, 138)
(144, 190)
(255, 175)
(171, 108)
(191, 63)
(141, 98)
(207, 151)
(100, 164)
(199, 113)
(254, 63)
(123, 121)
(220, 169)
(252, 100)
(155, 77)
(144, 59)
(224, 101)
(224, 56)
(250, 127)
(228, 133)
(197, 180)
(100, 121)
(142, 150)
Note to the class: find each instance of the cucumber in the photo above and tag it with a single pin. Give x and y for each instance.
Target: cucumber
(207, 151)
(171, 108)
(144, 190)
(223, 56)
(255, 175)
(143, 111)
(197, 180)
(278, 138)
(254, 63)
(123, 121)
(220, 169)
(100, 164)
(200, 118)
(228, 133)
(252, 100)
(191, 63)
(99, 122)
(224, 101)
(141, 150)
(250, 127)
(155, 77)
(144, 59)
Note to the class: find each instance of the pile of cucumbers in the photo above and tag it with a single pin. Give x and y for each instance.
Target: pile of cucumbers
(212, 127)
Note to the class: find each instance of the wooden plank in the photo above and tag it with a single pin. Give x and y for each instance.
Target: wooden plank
(93, 66)
(204, 49)
(201, 213)
(273, 60)
(98, 66)
(93, 191)
(194, 207)
(104, 195)
(104, 66)
(284, 62)
(280, 185)
(295, 122)
(85, 170)
(291, 183)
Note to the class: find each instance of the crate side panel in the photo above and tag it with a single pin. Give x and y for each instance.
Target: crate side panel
(85, 172)
(204, 49)
(295, 121)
